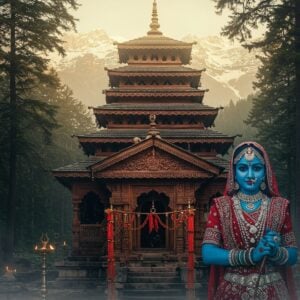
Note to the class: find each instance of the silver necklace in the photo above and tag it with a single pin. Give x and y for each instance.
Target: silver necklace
(251, 232)
(250, 198)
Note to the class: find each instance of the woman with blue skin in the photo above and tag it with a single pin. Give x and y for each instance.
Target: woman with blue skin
(249, 223)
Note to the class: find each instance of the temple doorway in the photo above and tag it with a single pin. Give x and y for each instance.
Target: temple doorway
(159, 202)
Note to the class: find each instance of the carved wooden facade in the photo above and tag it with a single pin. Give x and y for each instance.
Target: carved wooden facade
(173, 161)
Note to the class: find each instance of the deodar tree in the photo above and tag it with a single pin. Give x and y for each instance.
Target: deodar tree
(276, 106)
(29, 29)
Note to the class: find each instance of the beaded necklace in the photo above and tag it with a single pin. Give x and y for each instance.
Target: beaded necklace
(250, 199)
(251, 233)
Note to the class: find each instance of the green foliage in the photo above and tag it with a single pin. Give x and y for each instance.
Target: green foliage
(42, 203)
(29, 29)
(274, 106)
(231, 120)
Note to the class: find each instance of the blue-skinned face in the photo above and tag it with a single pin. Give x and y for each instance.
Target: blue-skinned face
(249, 175)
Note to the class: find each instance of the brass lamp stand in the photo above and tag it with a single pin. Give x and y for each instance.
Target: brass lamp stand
(43, 249)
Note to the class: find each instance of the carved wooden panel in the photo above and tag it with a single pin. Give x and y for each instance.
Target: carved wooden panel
(154, 163)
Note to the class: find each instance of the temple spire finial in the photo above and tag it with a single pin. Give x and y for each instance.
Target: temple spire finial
(154, 26)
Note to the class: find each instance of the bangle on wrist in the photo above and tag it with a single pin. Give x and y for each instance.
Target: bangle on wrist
(239, 257)
(281, 256)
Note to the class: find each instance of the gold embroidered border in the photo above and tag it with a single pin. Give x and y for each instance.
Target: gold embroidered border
(289, 240)
(277, 213)
(212, 236)
(223, 205)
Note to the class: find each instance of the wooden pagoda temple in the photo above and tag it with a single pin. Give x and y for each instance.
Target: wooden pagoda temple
(154, 148)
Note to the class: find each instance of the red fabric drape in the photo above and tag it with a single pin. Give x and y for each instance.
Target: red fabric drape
(191, 254)
(110, 255)
(150, 223)
(153, 222)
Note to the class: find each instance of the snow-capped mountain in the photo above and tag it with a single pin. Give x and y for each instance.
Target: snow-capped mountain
(226, 63)
(230, 69)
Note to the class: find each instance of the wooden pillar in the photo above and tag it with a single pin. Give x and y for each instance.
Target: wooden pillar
(180, 236)
(76, 226)
(126, 234)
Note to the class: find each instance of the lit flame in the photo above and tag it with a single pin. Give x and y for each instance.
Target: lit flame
(51, 247)
(8, 270)
(36, 247)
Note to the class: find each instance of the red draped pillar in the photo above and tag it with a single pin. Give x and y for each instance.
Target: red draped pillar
(191, 255)
(111, 293)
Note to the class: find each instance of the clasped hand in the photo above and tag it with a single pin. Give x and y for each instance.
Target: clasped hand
(267, 246)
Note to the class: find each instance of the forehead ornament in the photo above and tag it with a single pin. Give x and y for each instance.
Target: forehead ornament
(249, 153)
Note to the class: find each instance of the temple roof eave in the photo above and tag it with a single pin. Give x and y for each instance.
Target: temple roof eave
(149, 69)
(125, 93)
(149, 110)
(89, 140)
(101, 168)
(156, 42)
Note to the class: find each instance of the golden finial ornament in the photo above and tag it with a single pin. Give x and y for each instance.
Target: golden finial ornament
(154, 26)
(153, 131)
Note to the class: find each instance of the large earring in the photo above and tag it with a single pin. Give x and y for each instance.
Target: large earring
(263, 186)
(236, 186)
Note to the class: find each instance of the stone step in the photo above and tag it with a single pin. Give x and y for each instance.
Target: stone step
(143, 269)
(152, 274)
(146, 297)
(149, 279)
(154, 286)
(153, 292)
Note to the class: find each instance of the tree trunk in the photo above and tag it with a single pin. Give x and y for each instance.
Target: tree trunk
(11, 217)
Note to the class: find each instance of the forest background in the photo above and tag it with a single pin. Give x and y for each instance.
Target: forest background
(39, 114)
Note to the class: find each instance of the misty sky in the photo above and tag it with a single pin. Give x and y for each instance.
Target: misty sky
(131, 18)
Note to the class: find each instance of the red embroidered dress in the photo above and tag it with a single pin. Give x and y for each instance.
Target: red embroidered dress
(225, 231)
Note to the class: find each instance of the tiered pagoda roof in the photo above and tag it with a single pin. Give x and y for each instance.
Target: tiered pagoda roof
(155, 81)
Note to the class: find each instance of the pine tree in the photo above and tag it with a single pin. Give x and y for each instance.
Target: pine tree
(276, 110)
(46, 206)
(28, 30)
(231, 120)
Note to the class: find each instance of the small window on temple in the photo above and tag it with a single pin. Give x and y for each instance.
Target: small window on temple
(164, 58)
(144, 57)
(91, 209)
(136, 57)
(167, 82)
(173, 58)
(154, 57)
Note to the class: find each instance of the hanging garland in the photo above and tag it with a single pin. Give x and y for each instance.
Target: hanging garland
(126, 219)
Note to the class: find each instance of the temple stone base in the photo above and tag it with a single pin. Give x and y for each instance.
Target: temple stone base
(81, 272)
(154, 276)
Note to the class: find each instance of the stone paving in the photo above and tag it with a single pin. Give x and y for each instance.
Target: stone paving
(10, 289)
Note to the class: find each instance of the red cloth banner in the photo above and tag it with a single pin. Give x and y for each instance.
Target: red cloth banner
(191, 255)
(153, 222)
(111, 273)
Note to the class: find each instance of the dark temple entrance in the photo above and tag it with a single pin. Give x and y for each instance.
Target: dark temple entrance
(160, 202)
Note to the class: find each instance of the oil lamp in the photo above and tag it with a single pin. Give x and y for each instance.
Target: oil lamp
(43, 249)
